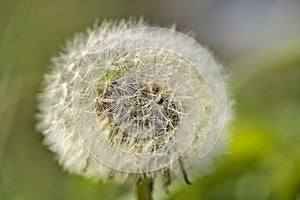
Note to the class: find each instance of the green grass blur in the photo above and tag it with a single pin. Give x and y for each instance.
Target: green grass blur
(264, 162)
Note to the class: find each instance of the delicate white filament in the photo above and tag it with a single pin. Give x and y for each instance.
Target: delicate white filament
(91, 109)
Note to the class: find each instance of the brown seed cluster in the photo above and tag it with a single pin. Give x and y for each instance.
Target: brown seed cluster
(143, 116)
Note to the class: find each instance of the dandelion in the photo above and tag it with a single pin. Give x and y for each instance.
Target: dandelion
(130, 102)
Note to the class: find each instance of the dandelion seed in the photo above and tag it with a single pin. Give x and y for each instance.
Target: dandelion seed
(126, 101)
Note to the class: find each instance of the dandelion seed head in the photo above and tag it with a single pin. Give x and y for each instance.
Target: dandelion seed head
(126, 99)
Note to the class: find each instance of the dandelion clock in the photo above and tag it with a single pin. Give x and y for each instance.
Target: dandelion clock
(130, 102)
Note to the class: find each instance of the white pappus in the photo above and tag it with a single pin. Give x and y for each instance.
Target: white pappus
(126, 101)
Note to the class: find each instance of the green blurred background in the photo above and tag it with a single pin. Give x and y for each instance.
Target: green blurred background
(257, 41)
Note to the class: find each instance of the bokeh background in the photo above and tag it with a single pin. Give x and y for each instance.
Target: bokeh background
(257, 41)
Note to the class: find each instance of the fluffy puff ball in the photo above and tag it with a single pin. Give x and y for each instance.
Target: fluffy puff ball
(126, 101)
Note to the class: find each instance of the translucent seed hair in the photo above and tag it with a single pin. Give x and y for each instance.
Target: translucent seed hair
(125, 100)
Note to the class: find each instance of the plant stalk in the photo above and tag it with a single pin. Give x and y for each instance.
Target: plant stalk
(144, 189)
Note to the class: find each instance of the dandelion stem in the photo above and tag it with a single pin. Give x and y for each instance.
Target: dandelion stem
(143, 189)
